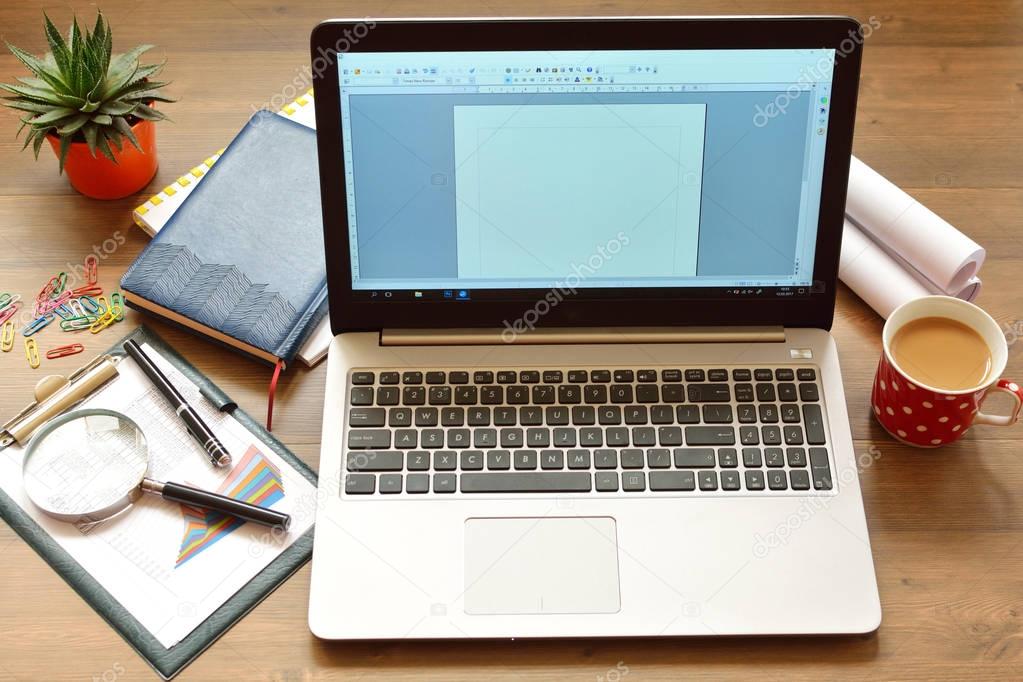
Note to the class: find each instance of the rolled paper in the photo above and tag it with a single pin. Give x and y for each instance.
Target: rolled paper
(907, 229)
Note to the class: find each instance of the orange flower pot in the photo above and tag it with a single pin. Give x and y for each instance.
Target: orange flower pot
(99, 178)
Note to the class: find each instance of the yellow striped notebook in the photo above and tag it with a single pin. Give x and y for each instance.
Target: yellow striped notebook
(157, 210)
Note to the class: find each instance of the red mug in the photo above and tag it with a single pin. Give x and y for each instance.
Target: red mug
(928, 417)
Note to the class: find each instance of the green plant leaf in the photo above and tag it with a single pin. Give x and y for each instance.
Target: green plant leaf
(147, 113)
(102, 120)
(74, 125)
(43, 95)
(89, 131)
(38, 67)
(116, 108)
(101, 143)
(23, 105)
(37, 142)
(58, 47)
(125, 129)
(65, 147)
(52, 116)
(149, 96)
(114, 136)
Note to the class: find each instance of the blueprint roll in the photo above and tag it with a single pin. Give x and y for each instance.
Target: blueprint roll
(906, 228)
(882, 281)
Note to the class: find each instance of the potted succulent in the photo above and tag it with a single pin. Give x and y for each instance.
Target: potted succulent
(95, 109)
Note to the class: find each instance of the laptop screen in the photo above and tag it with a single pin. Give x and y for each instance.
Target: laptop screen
(479, 175)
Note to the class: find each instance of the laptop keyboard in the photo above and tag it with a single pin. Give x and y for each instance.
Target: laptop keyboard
(675, 431)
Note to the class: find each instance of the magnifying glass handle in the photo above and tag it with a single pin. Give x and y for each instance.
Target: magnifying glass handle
(207, 500)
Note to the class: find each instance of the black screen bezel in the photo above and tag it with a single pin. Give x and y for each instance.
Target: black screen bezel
(350, 313)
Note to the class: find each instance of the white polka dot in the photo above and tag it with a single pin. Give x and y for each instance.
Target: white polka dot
(889, 410)
(935, 441)
(907, 410)
(921, 428)
(912, 387)
(877, 410)
(957, 427)
(895, 385)
(902, 434)
(928, 405)
(950, 397)
(942, 419)
(963, 406)
(884, 386)
(1013, 387)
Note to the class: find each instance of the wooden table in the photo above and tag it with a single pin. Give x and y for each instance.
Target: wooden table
(940, 114)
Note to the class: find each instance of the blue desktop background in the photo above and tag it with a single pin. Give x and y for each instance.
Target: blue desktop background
(404, 169)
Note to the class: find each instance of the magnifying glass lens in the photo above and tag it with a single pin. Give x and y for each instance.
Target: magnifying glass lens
(90, 463)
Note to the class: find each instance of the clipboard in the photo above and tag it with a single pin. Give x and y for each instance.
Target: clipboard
(58, 394)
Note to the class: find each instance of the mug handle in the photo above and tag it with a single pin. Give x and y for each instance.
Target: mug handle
(1013, 389)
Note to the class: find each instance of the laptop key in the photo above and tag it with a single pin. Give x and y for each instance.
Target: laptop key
(435, 377)
(790, 414)
(518, 395)
(543, 395)
(594, 394)
(708, 480)
(445, 483)
(658, 458)
(417, 460)
(538, 437)
(506, 377)
(647, 393)
(406, 438)
(360, 484)
(591, 437)
(426, 416)
(530, 416)
(417, 483)
(717, 375)
(741, 375)
(390, 484)
(552, 376)
(466, 395)
(646, 376)
(814, 423)
(673, 393)
(662, 414)
(375, 460)
(369, 439)
(578, 376)
(524, 459)
(793, 435)
(744, 393)
(483, 377)
(670, 435)
(536, 482)
(806, 374)
(709, 393)
(367, 416)
(499, 460)
(754, 480)
(622, 376)
(601, 376)
(776, 480)
(569, 394)
(635, 414)
(799, 480)
(695, 375)
(389, 377)
(412, 378)
(388, 395)
(552, 459)
(672, 480)
(578, 459)
(693, 458)
(556, 416)
(751, 457)
(399, 416)
(413, 395)
(605, 459)
(511, 438)
(633, 481)
(361, 395)
(363, 378)
(452, 416)
(773, 457)
(808, 393)
(771, 435)
(458, 377)
(766, 393)
(710, 435)
(606, 481)
(471, 460)
(730, 480)
(671, 375)
(763, 374)
(728, 458)
(492, 395)
(617, 436)
(484, 438)
(444, 460)
(688, 414)
(505, 416)
(632, 458)
(564, 438)
(621, 393)
(787, 392)
(796, 457)
(644, 435)
(717, 414)
(768, 413)
(820, 469)
(530, 376)
(478, 416)
(784, 374)
(746, 414)
(583, 415)
(432, 438)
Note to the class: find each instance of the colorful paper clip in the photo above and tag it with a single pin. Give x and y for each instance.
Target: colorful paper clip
(7, 337)
(91, 269)
(75, 306)
(117, 304)
(32, 353)
(90, 305)
(8, 313)
(64, 351)
(36, 324)
(7, 300)
(44, 307)
(77, 324)
(64, 312)
(104, 321)
(61, 283)
(87, 290)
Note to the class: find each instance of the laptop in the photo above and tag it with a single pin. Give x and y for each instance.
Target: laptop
(581, 276)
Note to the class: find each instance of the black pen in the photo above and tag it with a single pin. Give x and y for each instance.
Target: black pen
(218, 454)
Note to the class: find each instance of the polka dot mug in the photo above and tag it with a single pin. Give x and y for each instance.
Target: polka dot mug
(925, 416)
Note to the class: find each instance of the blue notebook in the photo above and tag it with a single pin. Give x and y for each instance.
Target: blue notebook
(242, 260)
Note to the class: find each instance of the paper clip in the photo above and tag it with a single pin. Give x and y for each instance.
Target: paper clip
(61, 283)
(7, 300)
(36, 324)
(64, 351)
(48, 306)
(75, 306)
(77, 324)
(7, 337)
(117, 304)
(32, 353)
(104, 306)
(87, 290)
(104, 321)
(9, 313)
(91, 269)
(64, 311)
(90, 305)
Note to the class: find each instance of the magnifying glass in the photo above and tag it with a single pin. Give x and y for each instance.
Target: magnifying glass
(89, 465)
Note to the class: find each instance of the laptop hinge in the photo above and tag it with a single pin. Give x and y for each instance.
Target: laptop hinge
(581, 335)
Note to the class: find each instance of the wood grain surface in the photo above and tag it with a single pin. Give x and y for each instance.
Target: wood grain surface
(940, 114)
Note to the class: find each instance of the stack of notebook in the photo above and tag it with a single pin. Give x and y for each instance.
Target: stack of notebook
(237, 253)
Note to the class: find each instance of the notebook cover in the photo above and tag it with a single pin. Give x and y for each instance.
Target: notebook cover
(169, 662)
(243, 255)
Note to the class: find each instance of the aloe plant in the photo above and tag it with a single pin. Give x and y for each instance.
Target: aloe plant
(81, 91)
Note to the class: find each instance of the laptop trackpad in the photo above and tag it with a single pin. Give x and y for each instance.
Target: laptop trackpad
(541, 566)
